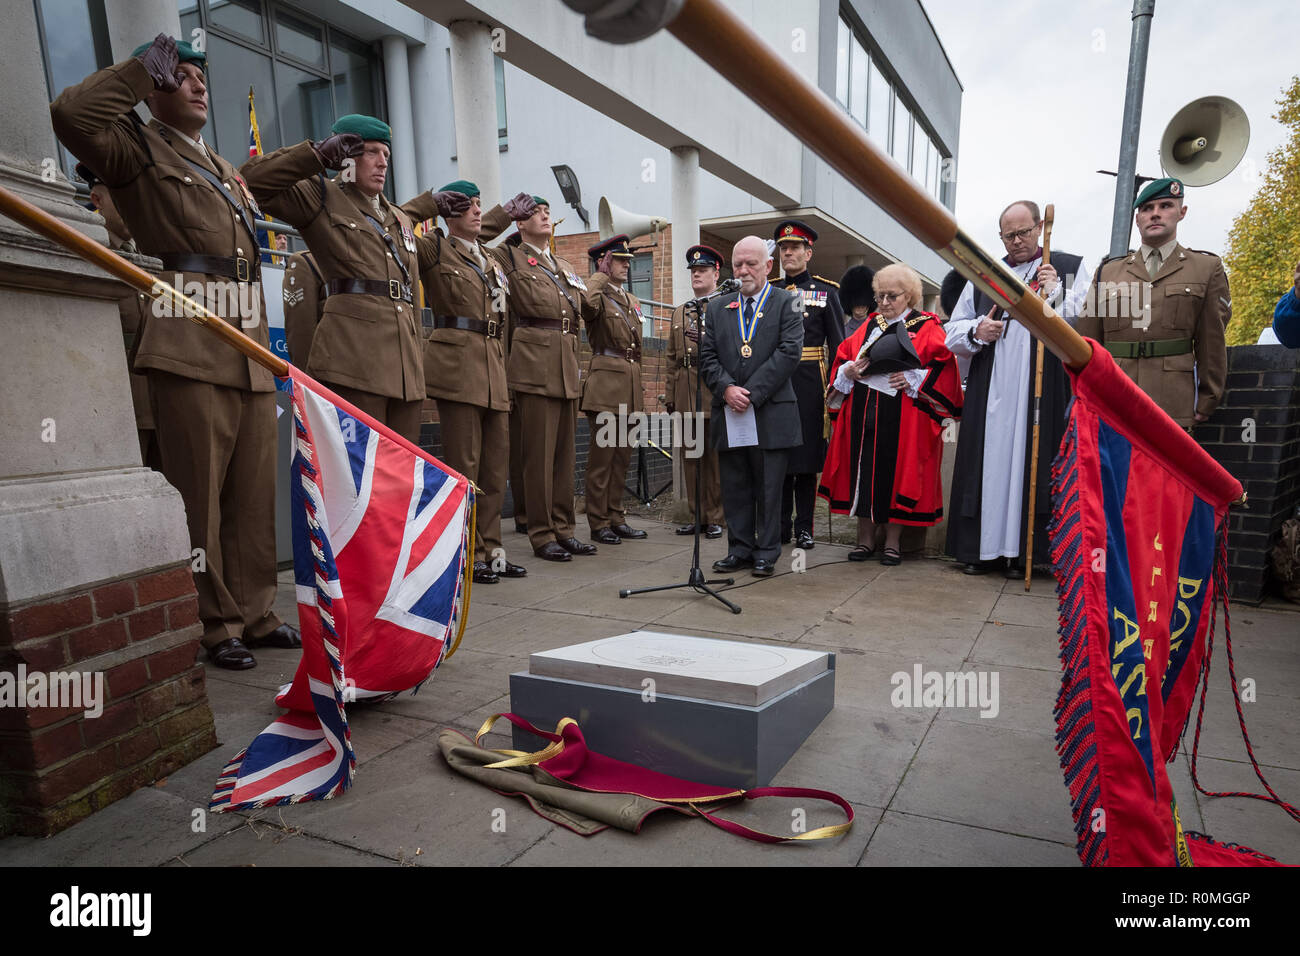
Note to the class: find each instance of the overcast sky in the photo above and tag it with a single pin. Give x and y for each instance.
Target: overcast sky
(1052, 75)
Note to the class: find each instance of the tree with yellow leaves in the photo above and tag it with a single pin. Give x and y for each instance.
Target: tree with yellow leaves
(1264, 243)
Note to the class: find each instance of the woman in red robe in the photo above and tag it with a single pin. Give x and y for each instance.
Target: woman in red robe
(883, 462)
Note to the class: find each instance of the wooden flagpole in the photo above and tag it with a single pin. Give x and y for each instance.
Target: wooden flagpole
(1048, 218)
(726, 42)
(39, 221)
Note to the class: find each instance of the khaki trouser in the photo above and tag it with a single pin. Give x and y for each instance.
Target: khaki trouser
(518, 491)
(401, 416)
(547, 428)
(710, 482)
(476, 442)
(606, 472)
(217, 447)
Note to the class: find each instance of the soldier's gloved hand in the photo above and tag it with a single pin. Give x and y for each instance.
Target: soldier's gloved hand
(521, 207)
(692, 335)
(670, 406)
(162, 62)
(451, 204)
(605, 260)
(332, 151)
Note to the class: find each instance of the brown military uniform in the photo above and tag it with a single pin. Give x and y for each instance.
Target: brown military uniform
(367, 347)
(132, 310)
(613, 384)
(546, 303)
(683, 372)
(303, 292)
(465, 365)
(213, 409)
(1190, 306)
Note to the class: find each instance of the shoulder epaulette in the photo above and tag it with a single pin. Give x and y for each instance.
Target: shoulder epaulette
(1203, 252)
(827, 281)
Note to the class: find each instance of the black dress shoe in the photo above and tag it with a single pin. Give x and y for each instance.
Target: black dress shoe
(551, 551)
(975, 568)
(605, 536)
(521, 528)
(286, 635)
(1012, 572)
(686, 529)
(713, 531)
(763, 568)
(627, 531)
(508, 570)
(232, 655)
(805, 540)
(732, 563)
(483, 573)
(574, 546)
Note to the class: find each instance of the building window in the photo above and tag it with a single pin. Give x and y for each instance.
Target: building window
(303, 72)
(74, 39)
(500, 68)
(878, 112)
(900, 146)
(640, 280)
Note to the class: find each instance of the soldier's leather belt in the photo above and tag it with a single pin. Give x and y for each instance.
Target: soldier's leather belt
(812, 353)
(1156, 349)
(491, 328)
(232, 267)
(630, 354)
(384, 288)
(555, 325)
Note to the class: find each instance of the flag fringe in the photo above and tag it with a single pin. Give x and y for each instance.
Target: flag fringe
(1075, 729)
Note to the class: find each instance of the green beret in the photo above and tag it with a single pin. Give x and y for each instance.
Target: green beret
(462, 186)
(367, 127)
(541, 202)
(1159, 189)
(184, 51)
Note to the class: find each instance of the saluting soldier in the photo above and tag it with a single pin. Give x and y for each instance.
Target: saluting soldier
(1175, 352)
(368, 346)
(823, 331)
(213, 408)
(465, 362)
(613, 382)
(546, 305)
(303, 293)
(683, 375)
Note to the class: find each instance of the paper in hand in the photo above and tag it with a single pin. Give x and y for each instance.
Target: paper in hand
(742, 427)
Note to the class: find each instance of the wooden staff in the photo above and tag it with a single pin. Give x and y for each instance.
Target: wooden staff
(39, 221)
(1048, 216)
(817, 121)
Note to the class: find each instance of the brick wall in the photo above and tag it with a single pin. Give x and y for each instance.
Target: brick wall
(56, 764)
(1255, 435)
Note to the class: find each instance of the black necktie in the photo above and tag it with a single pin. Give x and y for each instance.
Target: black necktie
(749, 310)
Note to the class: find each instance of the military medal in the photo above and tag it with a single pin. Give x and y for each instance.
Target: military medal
(408, 238)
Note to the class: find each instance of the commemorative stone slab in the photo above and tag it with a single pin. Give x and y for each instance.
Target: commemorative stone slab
(729, 713)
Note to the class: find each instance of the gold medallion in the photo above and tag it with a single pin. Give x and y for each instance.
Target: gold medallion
(746, 351)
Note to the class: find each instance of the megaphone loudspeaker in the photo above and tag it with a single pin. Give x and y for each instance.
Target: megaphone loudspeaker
(1204, 141)
(615, 221)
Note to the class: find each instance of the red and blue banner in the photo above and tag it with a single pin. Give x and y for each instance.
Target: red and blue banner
(1138, 544)
(381, 535)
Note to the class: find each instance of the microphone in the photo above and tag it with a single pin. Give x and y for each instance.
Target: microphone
(728, 287)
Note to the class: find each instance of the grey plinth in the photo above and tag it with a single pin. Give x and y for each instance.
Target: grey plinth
(728, 713)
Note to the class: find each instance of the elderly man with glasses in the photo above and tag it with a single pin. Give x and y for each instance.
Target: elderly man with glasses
(987, 519)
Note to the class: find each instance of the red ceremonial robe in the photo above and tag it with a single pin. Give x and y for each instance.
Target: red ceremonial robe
(884, 456)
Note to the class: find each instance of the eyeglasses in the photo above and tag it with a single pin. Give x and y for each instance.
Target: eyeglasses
(888, 296)
(1009, 237)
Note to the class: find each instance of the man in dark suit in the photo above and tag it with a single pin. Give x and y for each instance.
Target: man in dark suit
(749, 351)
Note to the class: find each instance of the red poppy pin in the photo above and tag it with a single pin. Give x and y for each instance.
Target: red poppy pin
(532, 261)
(734, 305)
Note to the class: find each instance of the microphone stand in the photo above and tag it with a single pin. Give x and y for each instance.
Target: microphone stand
(695, 577)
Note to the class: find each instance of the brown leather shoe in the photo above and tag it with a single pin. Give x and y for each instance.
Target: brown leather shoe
(574, 546)
(551, 551)
(232, 655)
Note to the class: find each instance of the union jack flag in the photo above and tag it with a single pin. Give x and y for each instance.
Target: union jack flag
(381, 539)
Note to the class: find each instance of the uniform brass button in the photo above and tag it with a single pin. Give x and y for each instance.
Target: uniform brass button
(227, 185)
(238, 251)
(1188, 289)
(188, 180)
(389, 254)
(352, 225)
(399, 308)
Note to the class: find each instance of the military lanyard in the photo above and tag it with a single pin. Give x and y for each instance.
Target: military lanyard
(392, 246)
(747, 326)
(225, 194)
(622, 314)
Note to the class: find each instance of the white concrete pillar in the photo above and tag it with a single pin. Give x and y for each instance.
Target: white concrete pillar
(423, 59)
(398, 83)
(686, 216)
(474, 99)
(132, 22)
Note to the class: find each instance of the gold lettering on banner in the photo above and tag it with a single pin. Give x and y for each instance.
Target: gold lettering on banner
(1134, 712)
(1187, 588)
(1139, 670)
(1155, 573)
(1130, 633)
(1146, 647)
(1153, 611)
(1157, 544)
